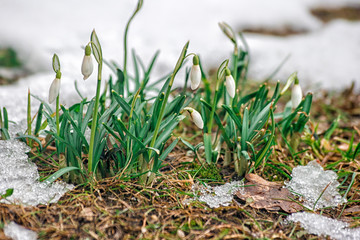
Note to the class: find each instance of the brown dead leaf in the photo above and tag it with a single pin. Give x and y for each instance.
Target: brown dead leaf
(87, 214)
(352, 210)
(268, 195)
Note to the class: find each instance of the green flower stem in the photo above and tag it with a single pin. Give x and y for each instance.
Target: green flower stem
(57, 114)
(138, 7)
(162, 110)
(94, 120)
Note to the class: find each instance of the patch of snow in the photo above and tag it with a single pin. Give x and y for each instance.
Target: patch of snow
(217, 196)
(310, 181)
(18, 173)
(17, 232)
(324, 226)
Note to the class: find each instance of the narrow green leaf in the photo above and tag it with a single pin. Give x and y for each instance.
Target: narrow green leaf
(38, 120)
(208, 147)
(24, 136)
(245, 129)
(59, 173)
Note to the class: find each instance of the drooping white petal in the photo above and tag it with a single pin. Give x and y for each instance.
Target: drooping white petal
(230, 85)
(197, 119)
(54, 90)
(195, 76)
(296, 95)
(87, 66)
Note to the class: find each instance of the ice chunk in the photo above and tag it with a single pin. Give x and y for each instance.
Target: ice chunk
(18, 173)
(310, 181)
(324, 226)
(217, 196)
(17, 232)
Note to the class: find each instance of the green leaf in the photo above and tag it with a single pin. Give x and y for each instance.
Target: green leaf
(7, 193)
(266, 148)
(168, 150)
(6, 120)
(234, 117)
(189, 145)
(331, 129)
(23, 136)
(38, 120)
(208, 147)
(59, 173)
(245, 129)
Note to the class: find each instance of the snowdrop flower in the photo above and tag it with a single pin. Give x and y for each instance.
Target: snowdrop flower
(55, 88)
(230, 83)
(195, 73)
(296, 94)
(196, 117)
(87, 65)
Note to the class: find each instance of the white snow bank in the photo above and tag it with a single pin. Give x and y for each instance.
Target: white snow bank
(311, 181)
(328, 58)
(324, 226)
(18, 173)
(17, 232)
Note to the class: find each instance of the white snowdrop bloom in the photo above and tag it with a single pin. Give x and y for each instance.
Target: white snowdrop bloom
(195, 73)
(296, 94)
(196, 117)
(230, 83)
(87, 64)
(54, 88)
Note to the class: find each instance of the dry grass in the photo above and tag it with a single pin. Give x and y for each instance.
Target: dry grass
(122, 209)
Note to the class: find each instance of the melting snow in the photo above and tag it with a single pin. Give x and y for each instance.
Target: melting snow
(217, 196)
(17, 232)
(324, 226)
(310, 181)
(17, 172)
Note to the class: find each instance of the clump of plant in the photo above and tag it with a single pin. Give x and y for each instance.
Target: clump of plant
(125, 133)
(245, 122)
(128, 133)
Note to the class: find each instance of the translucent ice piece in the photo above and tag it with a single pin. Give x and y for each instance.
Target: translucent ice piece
(217, 196)
(310, 181)
(18, 173)
(324, 226)
(17, 232)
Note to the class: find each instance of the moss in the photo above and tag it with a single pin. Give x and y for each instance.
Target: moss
(210, 172)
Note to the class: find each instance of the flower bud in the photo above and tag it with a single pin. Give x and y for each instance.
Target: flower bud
(87, 65)
(55, 88)
(227, 31)
(195, 73)
(196, 117)
(230, 83)
(296, 94)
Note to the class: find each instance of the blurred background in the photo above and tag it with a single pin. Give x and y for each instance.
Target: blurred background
(320, 39)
